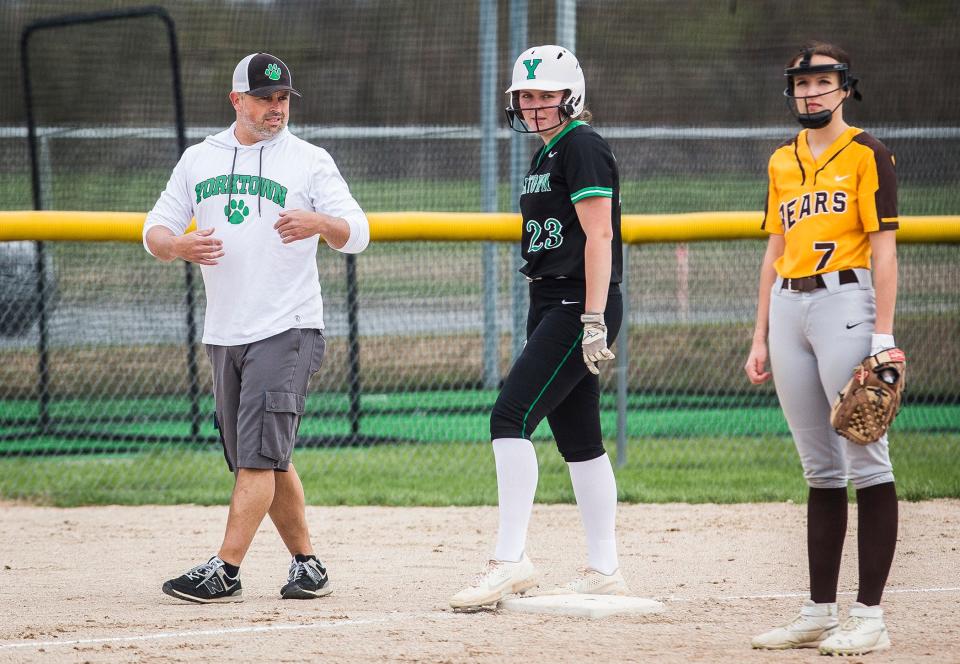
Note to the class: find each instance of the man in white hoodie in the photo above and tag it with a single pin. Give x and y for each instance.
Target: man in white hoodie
(263, 199)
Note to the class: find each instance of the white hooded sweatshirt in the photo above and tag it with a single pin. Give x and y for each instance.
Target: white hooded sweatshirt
(260, 287)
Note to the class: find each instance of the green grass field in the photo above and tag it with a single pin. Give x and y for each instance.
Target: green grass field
(680, 448)
(697, 469)
(427, 417)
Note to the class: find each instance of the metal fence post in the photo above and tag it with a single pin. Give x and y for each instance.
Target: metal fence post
(518, 146)
(193, 372)
(43, 377)
(353, 346)
(567, 24)
(43, 297)
(623, 363)
(488, 186)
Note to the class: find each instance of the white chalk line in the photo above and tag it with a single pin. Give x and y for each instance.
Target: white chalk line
(333, 624)
(251, 629)
(729, 598)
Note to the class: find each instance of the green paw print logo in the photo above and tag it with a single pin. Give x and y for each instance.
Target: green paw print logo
(236, 212)
(272, 71)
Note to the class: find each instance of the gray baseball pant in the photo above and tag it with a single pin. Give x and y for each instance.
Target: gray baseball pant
(815, 341)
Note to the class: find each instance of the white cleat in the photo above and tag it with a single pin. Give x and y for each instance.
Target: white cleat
(815, 623)
(859, 634)
(592, 582)
(497, 580)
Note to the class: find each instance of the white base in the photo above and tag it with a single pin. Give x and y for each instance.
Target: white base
(588, 606)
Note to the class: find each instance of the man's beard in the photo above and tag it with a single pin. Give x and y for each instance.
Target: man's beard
(262, 131)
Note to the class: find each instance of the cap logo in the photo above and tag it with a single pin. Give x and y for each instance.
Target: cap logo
(531, 66)
(272, 71)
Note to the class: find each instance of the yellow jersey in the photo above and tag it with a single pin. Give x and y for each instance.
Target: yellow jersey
(825, 207)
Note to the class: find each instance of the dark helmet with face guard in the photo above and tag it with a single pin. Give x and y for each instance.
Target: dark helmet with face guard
(822, 118)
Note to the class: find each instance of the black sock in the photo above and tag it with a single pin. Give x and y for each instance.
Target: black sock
(231, 570)
(876, 539)
(302, 557)
(826, 528)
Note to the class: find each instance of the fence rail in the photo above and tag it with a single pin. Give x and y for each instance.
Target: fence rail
(82, 226)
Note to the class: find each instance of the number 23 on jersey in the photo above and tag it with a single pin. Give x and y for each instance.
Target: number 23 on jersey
(549, 235)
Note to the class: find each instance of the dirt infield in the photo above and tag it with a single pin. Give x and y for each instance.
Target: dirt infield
(83, 585)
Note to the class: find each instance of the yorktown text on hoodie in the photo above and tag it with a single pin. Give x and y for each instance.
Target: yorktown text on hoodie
(260, 287)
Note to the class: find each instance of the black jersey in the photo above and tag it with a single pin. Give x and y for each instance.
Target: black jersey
(576, 164)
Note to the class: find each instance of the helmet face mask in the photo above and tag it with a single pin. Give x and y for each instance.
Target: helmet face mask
(809, 120)
(546, 68)
(517, 123)
(822, 118)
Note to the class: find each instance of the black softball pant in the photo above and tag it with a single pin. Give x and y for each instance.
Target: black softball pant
(549, 378)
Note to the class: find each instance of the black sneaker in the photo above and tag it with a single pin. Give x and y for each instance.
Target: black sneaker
(205, 584)
(306, 580)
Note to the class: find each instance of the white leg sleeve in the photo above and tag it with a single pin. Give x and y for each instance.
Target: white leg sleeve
(517, 476)
(596, 490)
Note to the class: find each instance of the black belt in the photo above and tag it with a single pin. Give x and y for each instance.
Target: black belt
(807, 284)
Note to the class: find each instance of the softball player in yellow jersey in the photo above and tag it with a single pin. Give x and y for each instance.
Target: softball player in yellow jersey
(828, 287)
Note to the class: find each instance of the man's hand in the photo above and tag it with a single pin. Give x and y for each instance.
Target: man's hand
(594, 342)
(196, 247)
(296, 225)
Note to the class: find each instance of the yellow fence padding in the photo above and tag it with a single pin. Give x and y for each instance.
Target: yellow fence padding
(455, 227)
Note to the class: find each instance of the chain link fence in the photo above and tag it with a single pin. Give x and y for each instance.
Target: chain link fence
(689, 98)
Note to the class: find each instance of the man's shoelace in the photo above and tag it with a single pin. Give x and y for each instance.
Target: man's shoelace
(298, 569)
(203, 571)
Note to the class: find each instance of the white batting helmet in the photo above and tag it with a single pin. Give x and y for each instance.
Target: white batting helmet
(547, 67)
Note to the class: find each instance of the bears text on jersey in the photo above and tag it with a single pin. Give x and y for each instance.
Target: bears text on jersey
(813, 202)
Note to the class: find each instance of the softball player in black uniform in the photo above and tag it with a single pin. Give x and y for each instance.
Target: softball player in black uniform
(828, 288)
(570, 202)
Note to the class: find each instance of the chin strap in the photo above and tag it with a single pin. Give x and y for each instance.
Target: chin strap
(819, 119)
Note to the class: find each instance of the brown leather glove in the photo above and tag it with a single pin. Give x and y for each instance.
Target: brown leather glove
(866, 406)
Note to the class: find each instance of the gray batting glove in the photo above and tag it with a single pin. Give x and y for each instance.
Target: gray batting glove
(594, 342)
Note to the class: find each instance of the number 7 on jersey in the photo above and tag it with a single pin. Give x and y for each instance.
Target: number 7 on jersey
(827, 248)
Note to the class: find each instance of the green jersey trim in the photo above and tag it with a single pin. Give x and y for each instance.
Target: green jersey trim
(553, 141)
(587, 192)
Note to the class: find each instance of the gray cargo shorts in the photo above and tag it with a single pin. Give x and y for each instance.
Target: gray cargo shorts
(260, 390)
